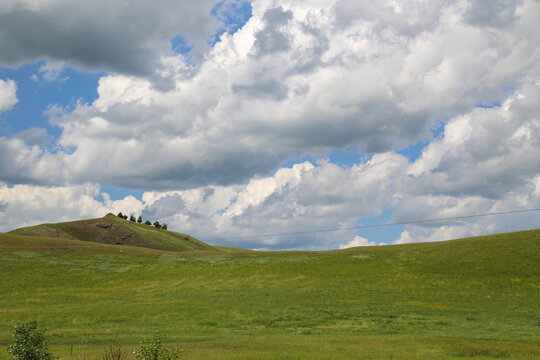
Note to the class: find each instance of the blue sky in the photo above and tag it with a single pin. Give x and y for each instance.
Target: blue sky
(36, 95)
(235, 118)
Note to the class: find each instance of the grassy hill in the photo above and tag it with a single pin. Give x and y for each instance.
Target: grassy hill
(113, 230)
(476, 298)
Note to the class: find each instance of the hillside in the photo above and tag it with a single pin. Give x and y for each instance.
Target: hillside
(113, 230)
(475, 298)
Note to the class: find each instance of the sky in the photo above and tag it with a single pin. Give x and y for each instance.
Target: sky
(232, 119)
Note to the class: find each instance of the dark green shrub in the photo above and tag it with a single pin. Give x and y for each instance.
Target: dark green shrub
(29, 343)
(125, 217)
(147, 222)
(139, 219)
(132, 218)
(164, 226)
(120, 215)
(155, 350)
(157, 225)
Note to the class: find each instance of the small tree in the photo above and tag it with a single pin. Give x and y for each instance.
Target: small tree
(132, 218)
(125, 217)
(164, 226)
(139, 219)
(29, 343)
(120, 215)
(147, 222)
(157, 225)
(155, 350)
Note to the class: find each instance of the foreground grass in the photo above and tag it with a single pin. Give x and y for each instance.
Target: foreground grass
(474, 298)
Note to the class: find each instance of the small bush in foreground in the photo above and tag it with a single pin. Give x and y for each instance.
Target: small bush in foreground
(155, 350)
(29, 343)
(114, 353)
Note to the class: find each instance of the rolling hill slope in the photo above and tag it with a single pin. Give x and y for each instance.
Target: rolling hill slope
(113, 230)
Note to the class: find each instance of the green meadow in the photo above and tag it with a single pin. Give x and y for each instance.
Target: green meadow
(476, 298)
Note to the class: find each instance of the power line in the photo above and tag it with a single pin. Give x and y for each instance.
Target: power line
(371, 226)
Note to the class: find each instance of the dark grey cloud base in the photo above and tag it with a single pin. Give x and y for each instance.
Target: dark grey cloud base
(118, 37)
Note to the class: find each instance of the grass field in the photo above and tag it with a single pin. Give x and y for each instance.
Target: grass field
(476, 298)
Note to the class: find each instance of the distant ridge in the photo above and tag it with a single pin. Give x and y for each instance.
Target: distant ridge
(114, 230)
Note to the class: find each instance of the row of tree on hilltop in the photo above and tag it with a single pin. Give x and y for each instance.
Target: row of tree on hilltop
(140, 220)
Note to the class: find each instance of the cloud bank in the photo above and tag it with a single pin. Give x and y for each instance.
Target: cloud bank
(294, 80)
(298, 79)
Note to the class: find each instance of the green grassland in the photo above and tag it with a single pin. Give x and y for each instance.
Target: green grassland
(476, 298)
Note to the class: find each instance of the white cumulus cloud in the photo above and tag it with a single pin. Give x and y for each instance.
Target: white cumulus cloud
(357, 241)
(8, 94)
(26, 205)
